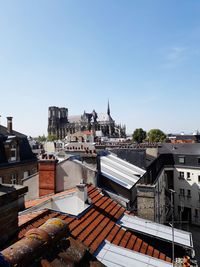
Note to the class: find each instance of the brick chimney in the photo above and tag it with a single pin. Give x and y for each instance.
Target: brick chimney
(9, 124)
(9, 207)
(47, 176)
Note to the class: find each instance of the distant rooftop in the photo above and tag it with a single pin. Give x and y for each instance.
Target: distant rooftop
(191, 149)
(4, 131)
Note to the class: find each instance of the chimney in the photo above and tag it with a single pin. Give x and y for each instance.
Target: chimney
(47, 176)
(9, 125)
(82, 192)
(9, 207)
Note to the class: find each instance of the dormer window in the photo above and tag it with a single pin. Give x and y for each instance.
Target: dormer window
(13, 153)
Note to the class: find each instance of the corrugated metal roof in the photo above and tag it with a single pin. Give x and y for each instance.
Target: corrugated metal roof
(157, 230)
(112, 256)
(120, 171)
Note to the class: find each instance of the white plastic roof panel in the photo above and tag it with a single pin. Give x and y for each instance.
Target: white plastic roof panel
(119, 180)
(158, 230)
(112, 256)
(121, 165)
(134, 168)
(118, 175)
(120, 171)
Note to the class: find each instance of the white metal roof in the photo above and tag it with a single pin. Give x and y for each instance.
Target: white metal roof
(158, 230)
(113, 256)
(120, 171)
(125, 163)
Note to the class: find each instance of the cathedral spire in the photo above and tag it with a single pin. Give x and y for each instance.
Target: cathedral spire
(108, 110)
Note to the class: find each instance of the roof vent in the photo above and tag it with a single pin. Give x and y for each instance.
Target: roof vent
(82, 192)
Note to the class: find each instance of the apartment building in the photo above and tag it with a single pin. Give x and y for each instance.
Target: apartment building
(17, 161)
(176, 167)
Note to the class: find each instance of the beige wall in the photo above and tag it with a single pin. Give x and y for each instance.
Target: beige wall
(33, 186)
(68, 175)
(71, 173)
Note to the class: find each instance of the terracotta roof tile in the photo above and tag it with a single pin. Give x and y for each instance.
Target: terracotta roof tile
(98, 224)
(168, 259)
(125, 240)
(118, 237)
(137, 245)
(113, 233)
(150, 251)
(131, 242)
(156, 253)
(90, 229)
(144, 247)
(102, 236)
(162, 256)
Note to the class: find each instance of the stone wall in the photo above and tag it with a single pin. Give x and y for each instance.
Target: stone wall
(146, 202)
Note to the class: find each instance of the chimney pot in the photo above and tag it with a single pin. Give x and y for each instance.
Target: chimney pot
(9, 124)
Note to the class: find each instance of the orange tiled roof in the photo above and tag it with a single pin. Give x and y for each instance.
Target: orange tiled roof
(99, 223)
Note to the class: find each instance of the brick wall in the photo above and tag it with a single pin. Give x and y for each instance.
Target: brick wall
(18, 169)
(47, 177)
(9, 207)
(8, 221)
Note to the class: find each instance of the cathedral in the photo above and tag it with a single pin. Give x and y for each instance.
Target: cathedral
(101, 124)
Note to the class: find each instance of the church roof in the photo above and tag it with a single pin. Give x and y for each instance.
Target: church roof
(104, 117)
(74, 118)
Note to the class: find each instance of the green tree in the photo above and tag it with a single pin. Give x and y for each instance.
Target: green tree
(41, 138)
(156, 135)
(139, 135)
(52, 137)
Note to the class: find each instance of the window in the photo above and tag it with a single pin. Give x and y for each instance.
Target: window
(13, 154)
(181, 160)
(189, 193)
(13, 178)
(196, 213)
(181, 175)
(182, 192)
(188, 176)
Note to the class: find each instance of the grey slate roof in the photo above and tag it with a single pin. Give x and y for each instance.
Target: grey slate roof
(185, 149)
(3, 131)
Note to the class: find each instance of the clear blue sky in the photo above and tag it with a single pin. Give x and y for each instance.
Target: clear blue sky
(144, 56)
